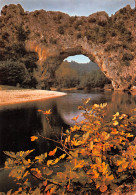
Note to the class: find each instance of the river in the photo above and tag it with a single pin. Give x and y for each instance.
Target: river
(21, 121)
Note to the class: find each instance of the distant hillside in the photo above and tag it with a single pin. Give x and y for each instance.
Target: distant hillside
(82, 68)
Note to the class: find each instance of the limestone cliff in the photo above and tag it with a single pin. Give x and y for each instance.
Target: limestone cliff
(48, 37)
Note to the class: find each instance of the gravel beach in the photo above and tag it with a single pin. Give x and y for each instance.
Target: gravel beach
(26, 95)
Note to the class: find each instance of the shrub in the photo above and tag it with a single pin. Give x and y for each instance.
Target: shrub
(72, 19)
(100, 157)
(61, 30)
(53, 41)
(92, 20)
(12, 73)
(79, 35)
(94, 79)
(78, 23)
(127, 57)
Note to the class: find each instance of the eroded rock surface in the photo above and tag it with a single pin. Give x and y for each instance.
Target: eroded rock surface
(46, 38)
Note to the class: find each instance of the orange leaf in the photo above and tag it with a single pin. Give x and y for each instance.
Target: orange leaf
(125, 165)
(103, 188)
(33, 138)
(45, 183)
(48, 193)
(52, 153)
(39, 110)
(47, 112)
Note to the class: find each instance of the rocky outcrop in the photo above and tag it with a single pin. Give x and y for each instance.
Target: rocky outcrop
(50, 37)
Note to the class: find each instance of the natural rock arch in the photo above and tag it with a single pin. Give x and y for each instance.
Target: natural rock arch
(108, 41)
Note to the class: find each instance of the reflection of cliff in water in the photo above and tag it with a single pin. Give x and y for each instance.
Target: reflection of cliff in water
(16, 127)
(68, 106)
(121, 102)
(116, 102)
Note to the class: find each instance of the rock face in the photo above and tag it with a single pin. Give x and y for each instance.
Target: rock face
(50, 37)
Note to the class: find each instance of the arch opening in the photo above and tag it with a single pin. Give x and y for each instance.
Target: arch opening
(79, 72)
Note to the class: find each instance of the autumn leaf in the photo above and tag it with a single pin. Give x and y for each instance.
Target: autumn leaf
(47, 112)
(62, 156)
(49, 162)
(115, 123)
(52, 153)
(33, 138)
(47, 171)
(39, 110)
(103, 188)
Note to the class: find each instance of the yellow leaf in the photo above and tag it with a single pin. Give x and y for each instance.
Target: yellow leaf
(119, 162)
(95, 174)
(80, 164)
(75, 142)
(115, 123)
(49, 162)
(125, 165)
(129, 135)
(114, 131)
(33, 138)
(62, 156)
(47, 112)
(117, 114)
(111, 177)
(55, 161)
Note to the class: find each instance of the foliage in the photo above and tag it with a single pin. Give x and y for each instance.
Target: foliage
(72, 74)
(13, 73)
(94, 79)
(100, 157)
(66, 76)
(61, 30)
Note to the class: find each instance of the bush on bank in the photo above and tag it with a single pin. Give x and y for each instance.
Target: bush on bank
(96, 157)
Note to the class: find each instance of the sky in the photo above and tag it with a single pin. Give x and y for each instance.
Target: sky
(72, 7)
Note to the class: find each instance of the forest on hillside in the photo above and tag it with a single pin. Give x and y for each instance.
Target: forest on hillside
(68, 75)
(73, 74)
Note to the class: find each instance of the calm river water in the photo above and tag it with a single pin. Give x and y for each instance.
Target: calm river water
(21, 121)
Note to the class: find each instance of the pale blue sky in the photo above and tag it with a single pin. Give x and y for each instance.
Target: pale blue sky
(72, 7)
(78, 58)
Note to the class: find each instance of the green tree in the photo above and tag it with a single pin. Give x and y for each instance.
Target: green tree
(13, 73)
(66, 76)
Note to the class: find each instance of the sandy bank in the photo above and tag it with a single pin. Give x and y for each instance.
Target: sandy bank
(26, 95)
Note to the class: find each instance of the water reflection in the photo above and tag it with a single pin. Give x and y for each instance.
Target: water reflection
(19, 122)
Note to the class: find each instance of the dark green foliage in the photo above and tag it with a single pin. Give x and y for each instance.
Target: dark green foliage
(92, 20)
(22, 34)
(112, 47)
(78, 23)
(66, 76)
(53, 41)
(94, 79)
(12, 73)
(113, 34)
(86, 76)
(72, 19)
(127, 57)
(5, 36)
(79, 35)
(90, 34)
(61, 30)
(102, 23)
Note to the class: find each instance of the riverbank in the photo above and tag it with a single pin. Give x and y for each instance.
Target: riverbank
(26, 95)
